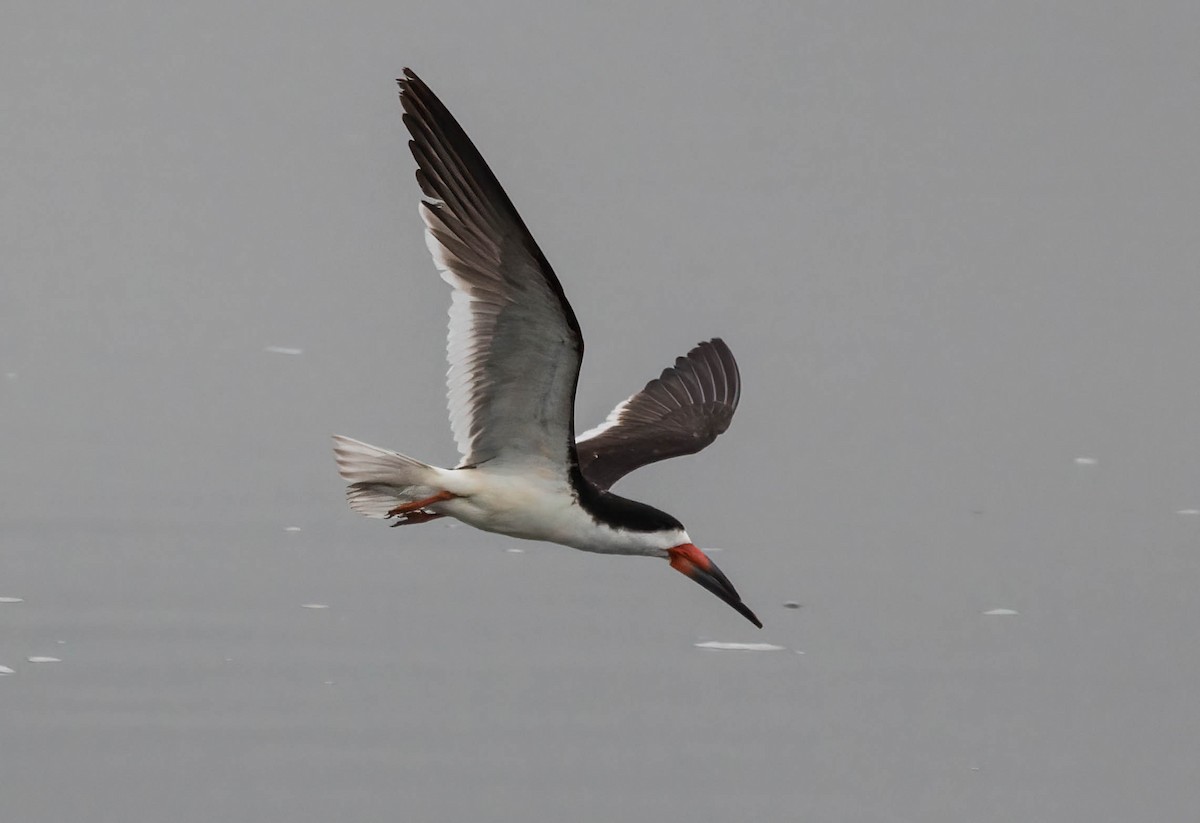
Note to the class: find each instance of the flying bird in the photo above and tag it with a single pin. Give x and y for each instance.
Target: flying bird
(515, 349)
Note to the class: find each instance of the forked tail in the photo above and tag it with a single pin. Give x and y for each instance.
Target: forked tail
(381, 480)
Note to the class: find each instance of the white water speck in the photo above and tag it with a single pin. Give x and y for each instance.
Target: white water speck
(739, 647)
(11, 375)
(515, 551)
(283, 350)
(314, 605)
(1086, 461)
(292, 528)
(1001, 612)
(7, 670)
(44, 659)
(1187, 511)
(12, 599)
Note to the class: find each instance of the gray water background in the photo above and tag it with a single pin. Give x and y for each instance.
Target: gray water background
(954, 247)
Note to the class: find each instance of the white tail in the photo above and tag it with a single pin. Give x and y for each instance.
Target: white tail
(380, 480)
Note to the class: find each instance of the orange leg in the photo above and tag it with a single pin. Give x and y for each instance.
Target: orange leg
(406, 508)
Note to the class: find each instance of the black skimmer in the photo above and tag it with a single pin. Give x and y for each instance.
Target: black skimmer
(514, 350)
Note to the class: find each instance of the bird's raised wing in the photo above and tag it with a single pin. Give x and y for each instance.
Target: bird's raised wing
(514, 345)
(680, 412)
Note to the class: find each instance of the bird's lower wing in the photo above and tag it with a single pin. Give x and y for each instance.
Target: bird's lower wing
(514, 345)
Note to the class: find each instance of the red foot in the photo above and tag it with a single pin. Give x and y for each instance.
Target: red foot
(406, 508)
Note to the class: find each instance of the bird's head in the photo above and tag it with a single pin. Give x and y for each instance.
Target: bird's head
(697, 565)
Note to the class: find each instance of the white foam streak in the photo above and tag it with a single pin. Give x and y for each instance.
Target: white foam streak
(739, 647)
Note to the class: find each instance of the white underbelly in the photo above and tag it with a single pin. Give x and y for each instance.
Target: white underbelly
(536, 507)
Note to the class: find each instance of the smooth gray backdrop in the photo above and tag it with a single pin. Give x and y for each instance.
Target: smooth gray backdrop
(954, 246)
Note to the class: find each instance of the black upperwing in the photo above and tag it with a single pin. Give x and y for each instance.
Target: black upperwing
(678, 413)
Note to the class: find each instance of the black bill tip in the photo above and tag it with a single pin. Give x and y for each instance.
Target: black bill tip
(697, 565)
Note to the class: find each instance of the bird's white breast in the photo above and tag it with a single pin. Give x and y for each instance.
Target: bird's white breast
(541, 505)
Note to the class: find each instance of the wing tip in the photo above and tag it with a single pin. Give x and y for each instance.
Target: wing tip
(716, 354)
(408, 78)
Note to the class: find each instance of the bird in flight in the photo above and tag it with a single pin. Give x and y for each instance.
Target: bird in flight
(514, 349)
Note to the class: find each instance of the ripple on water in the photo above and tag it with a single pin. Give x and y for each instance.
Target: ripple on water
(739, 647)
